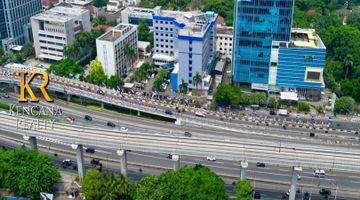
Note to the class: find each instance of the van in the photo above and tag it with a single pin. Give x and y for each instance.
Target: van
(319, 173)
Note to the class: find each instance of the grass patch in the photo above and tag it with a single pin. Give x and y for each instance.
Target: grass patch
(4, 106)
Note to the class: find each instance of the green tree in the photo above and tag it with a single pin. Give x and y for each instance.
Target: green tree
(1, 51)
(27, 172)
(96, 73)
(227, 95)
(354, 18)
(66, 67)
(186, 183)
(183, 87)
(28, 50)
(129, 52)
(303, 106)
(344, 104)
(107, 186)
(114, 81)
(197, 79)
(351, 88)
(272, 102)
(19, 58)
(100, 3)
(244, 190)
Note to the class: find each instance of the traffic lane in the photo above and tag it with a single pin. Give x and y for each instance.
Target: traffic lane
(106, 164)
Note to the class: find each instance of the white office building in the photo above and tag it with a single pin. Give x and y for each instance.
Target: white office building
(133, 15)
(186, 38)
(56, 28)
(111, 49)
(224, 37)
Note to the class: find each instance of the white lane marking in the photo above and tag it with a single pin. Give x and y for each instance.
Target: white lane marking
(357, 182)
(355, 177)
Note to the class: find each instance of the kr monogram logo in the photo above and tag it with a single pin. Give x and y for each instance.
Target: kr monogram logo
(25, 86)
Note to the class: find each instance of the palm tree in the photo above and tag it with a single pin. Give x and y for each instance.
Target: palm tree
(349, 64)
(197, 79)
(183, 87)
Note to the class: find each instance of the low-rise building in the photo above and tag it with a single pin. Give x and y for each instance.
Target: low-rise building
(224, 40)
(111, 49)
(56, 28)
(133, 15)
(298, 65)
(143, 49)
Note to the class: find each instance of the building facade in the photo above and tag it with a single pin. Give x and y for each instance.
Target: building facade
(56, 28)
(14, 18)
(257, 24)
(187, 38)
(224, 41)
(111, 49)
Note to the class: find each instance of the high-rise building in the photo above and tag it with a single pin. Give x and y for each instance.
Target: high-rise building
(15, 16)
(55, 28)
(257, 24)
(111, 49)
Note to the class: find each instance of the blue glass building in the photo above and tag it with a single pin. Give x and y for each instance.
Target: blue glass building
(257, 23)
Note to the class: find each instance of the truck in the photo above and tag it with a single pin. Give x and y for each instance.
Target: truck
(283, 112)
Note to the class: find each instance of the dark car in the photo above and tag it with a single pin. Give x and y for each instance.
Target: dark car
(325, 192)
(168, 112)
(169, 156)
(110, 124)
(306, 196)
(90, 150)
(100, 92)
(95, 162)
(272, 112)
(88, 118)
(68, 163)
(257, 195)
(312, 134)
(37, 108)
(260, 164)
(187, 134)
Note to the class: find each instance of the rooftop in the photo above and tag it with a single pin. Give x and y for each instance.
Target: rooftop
(116, 32)
(60, 14)
(224, 30)
(305, 38)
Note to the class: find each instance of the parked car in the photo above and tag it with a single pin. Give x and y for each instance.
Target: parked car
(260, 164)
(187, 134)
(312, 134)
(90, 150)
(66, 163)
(88, 118)
(211, 158)
(110, 124)
(306, 196)
(325, 192)
(168, 112)
(272, 112)
(95, 161)
(257, 195)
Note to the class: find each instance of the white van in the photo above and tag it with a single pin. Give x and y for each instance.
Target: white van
(319, 173)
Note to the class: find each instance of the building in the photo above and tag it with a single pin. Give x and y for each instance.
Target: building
(111, 49)
(133, 15)
(143, 49)
(48, 3)
(83, 4)
(224, 41)
(187, 38)
(15, 18)
(114, 5)
(55, 28)
(257, 24)
(298, 65)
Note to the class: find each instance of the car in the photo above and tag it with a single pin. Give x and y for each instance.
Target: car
(123, 129)
(168, 112)
(71, 118)
(325, 192)
(257, 195)
(37, 108)
(312, 134)
(66, 163)
(100, 92)
(110, 124)
(260, 164)
(187, 134)
(95, 162)
(169, 156)
(298, 177)
(88, 118)
(211, 158)
(90, 150)
(306, 196)
(319, 173)
(272, 112)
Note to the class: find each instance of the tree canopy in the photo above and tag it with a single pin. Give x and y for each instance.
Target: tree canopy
(27, 172)
(244, 190)
(66, 67)
(344, 104)
(227, 95)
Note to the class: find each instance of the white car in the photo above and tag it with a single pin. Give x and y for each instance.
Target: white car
(210, 158)
(124, 129)
(319, 173)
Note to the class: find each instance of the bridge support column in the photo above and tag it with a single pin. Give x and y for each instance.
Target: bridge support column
(123, 161)
(243, 167)
(138, 113)
(102, 105)
(80, 159)
(294, 179)
(176, 162)
(178, 122)
(68, 97)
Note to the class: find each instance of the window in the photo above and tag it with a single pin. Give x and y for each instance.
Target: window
(190, 62)
(190, 68)
(190, 48)
(190, 75)
(190, 81)
(190, 42)
(313, 76)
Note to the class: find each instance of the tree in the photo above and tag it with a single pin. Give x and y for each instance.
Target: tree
(1, 51)
(244, 190)
(100, 3)
(19, 58)
(66, 67)
(129, 52)
(272, 102)
(186, 183)
(27, 172)
(197, 79)
(351, 88)
(227, 95)
(28, 50)
(183, 87)
(344, 104)
(158, 84)
(107, 186)
(96, 73)
(349, 64)
(114, 81)
(354, 18)
(303, 106)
